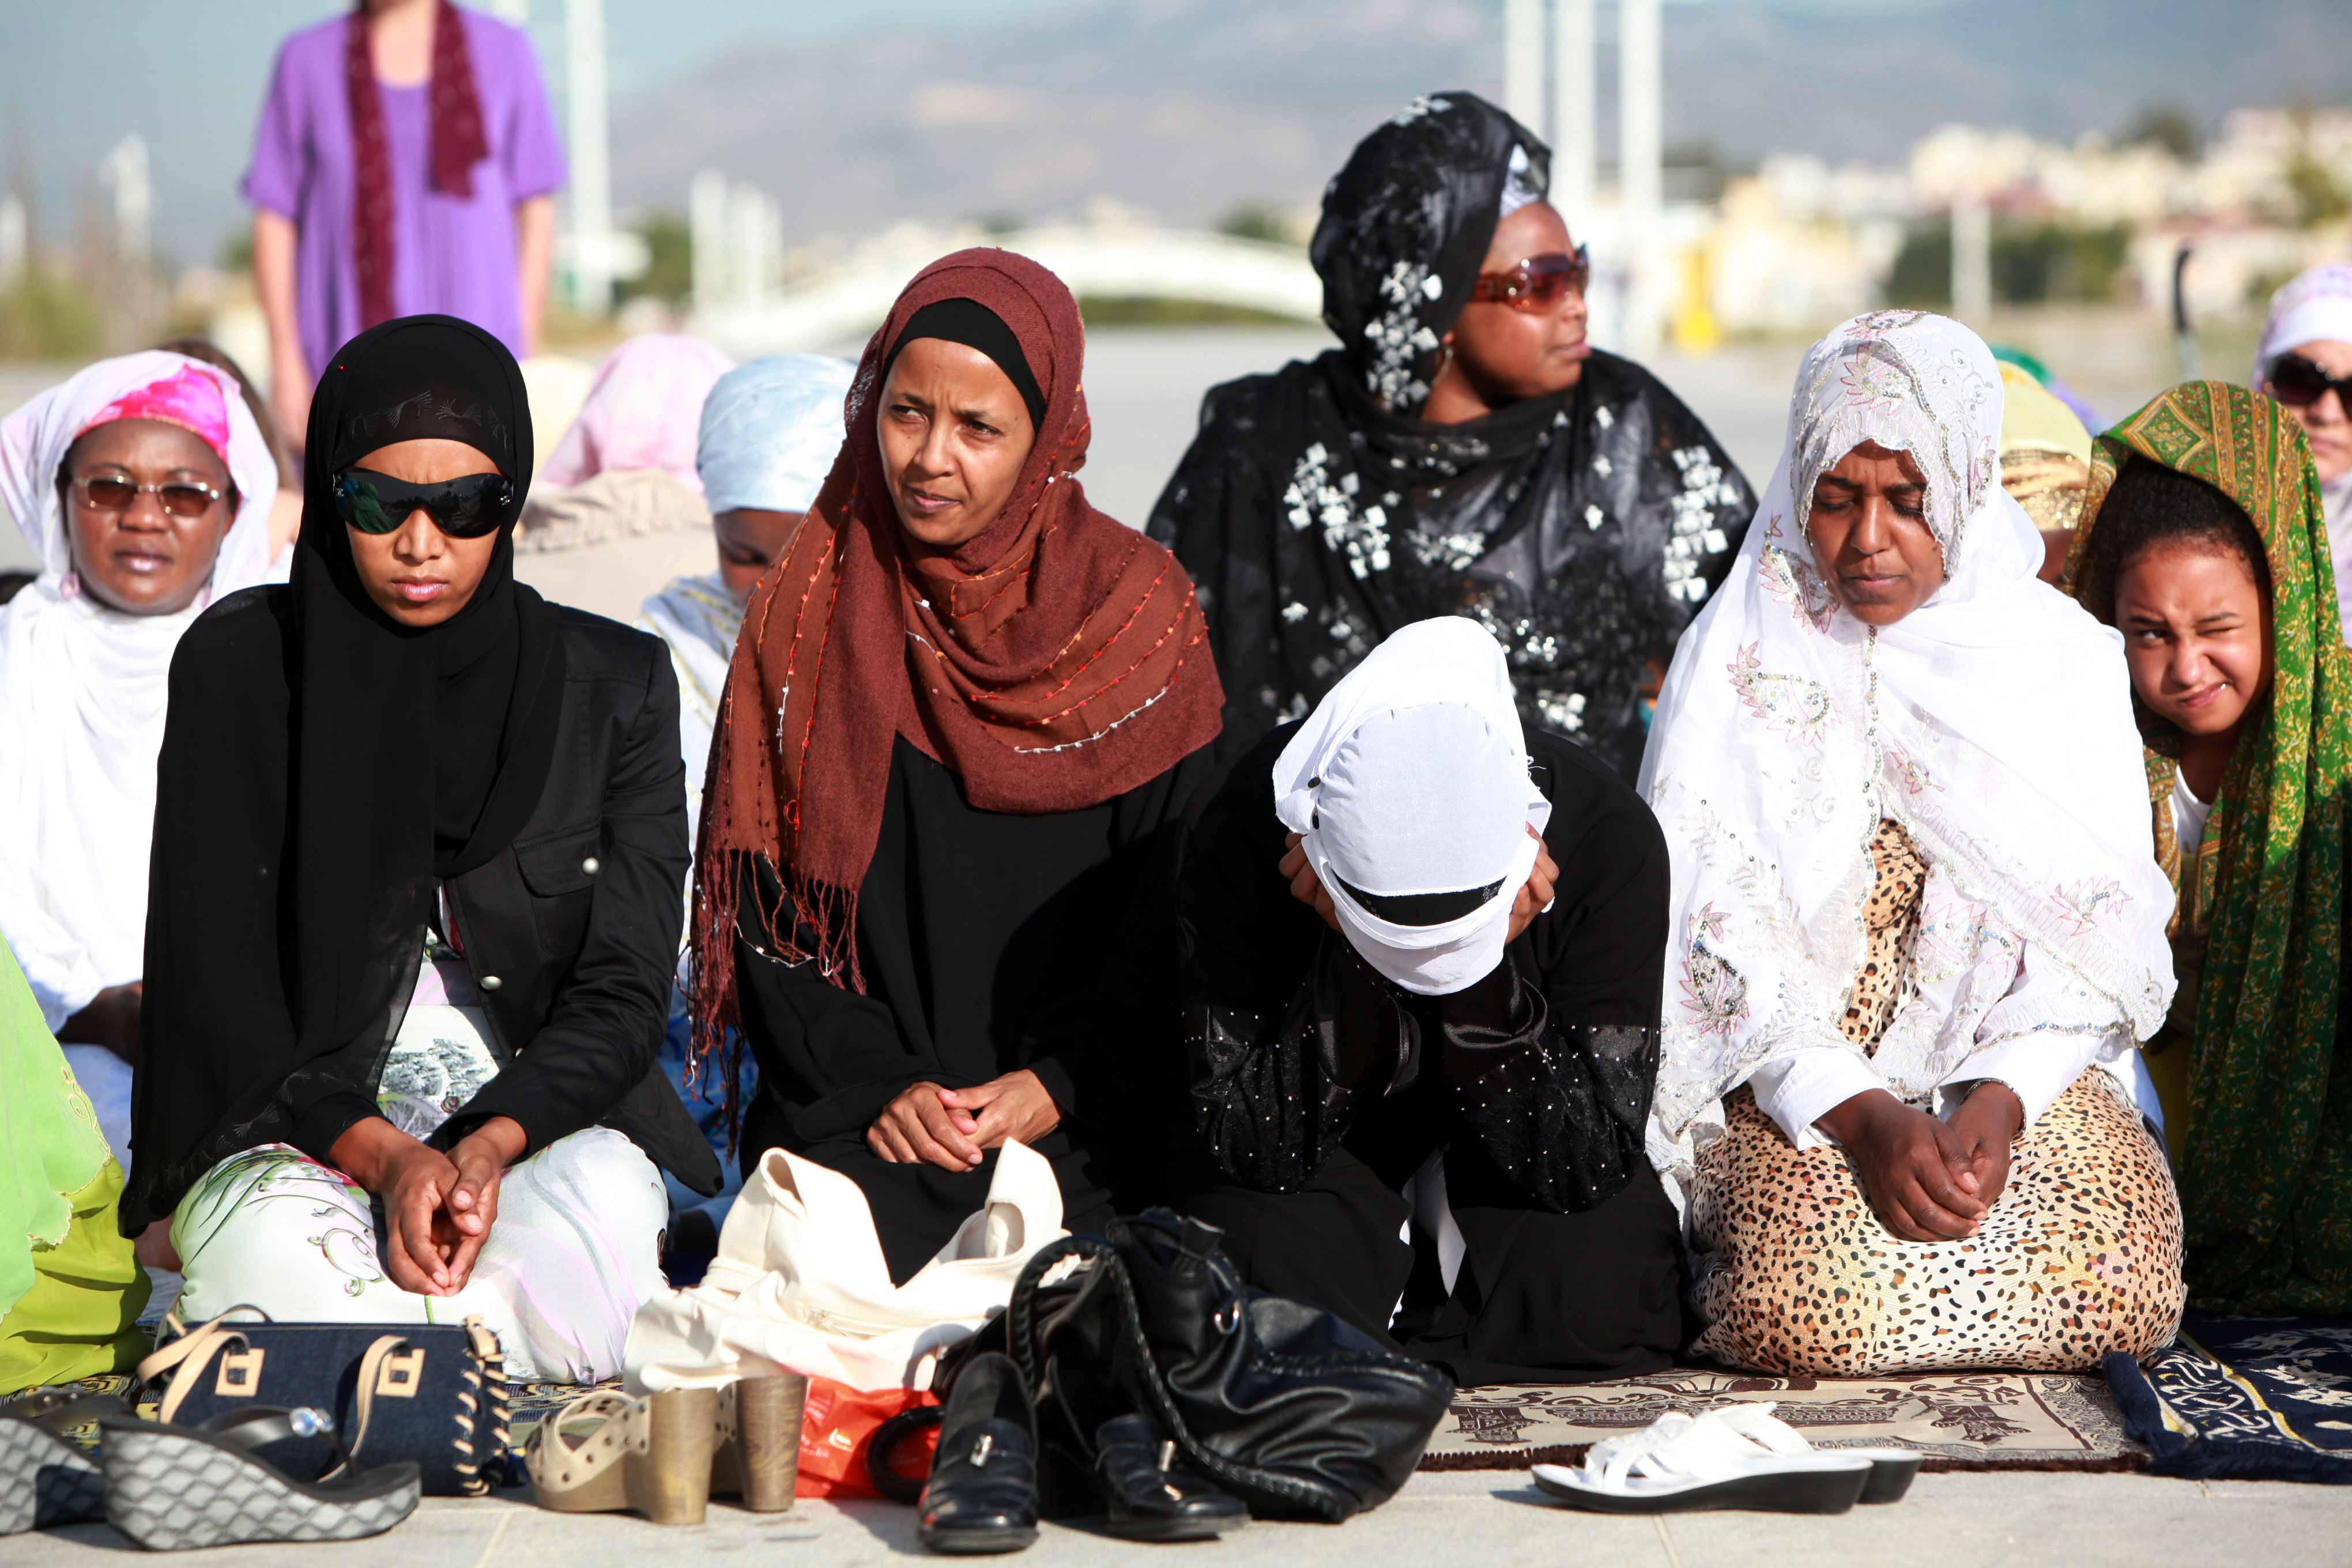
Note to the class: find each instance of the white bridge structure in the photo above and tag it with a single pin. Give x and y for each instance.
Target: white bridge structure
(829, 309)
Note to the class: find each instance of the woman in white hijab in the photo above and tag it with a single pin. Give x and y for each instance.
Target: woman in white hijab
(1419, 946)
(2304, 360)
(1918, 923)
(768, 433)
(145, 487)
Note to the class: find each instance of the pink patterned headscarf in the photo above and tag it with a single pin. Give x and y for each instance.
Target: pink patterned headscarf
(189, 397)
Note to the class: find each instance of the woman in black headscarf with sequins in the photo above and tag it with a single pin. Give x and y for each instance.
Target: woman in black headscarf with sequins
(413, 903)
(1463, 451)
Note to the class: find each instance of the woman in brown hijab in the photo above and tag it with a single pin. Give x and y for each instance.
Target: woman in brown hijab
(964, 718)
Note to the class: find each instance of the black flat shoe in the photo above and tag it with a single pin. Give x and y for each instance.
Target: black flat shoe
(1148, 1498)
(983, 1494)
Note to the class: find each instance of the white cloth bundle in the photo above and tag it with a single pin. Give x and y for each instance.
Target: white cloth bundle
(800, 1284)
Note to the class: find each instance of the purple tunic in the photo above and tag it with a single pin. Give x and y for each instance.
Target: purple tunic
(453, 256)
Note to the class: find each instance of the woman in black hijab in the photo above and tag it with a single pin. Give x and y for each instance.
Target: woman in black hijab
(414, 905)
(1463, 451)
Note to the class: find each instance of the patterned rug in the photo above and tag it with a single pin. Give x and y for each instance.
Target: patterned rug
(1962, 1420)
(2246, 1399)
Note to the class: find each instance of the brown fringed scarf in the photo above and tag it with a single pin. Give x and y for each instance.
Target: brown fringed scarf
(1053, 661)
(458, 143)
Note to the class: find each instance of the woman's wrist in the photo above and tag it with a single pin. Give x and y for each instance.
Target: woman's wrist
(1991, 1097)
(368, 1151)
(502, 1138)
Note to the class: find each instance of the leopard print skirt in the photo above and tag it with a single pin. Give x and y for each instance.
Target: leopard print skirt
(2080, 1256)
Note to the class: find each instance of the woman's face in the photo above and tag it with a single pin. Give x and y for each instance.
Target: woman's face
(417, 575)
(749, 539)
(142, 559)
(2326, 423)
(1870, 535)
(2197, 635)
(954, 434)
(1505, 354)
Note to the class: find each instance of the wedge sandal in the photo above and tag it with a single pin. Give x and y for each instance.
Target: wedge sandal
(758, 1458)
(650, 1455)
(1892, 1470)
(44, 1481)
(171, 1489)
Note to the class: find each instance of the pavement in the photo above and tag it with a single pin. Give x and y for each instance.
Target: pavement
(1491, 1519)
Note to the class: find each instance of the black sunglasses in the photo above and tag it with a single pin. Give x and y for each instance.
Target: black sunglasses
(465, 507)
(2298, 382)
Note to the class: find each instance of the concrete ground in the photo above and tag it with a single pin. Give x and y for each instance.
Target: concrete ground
(1491, 1519)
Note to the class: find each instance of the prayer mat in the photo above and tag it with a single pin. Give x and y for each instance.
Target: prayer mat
(2245, 1399)
(1960, 1420)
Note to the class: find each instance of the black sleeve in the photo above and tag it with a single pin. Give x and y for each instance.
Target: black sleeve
(1556, 1077)
(605, 1027)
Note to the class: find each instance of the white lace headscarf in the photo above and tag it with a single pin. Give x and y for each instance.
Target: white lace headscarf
(1994, 723)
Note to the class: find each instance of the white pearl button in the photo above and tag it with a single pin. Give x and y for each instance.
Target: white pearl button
(491, 983)
(592, 865)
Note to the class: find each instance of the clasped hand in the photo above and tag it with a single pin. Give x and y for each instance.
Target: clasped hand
(438, 1208)
(1927, 1179)
(951, 1128)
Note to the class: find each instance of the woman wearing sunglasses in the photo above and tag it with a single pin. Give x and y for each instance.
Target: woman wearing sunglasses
(2305, 361)
(145, 487)
(415, 903)
(1462, 451)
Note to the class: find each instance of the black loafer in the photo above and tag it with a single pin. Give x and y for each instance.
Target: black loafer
(1148, 1498)
(983, 1494)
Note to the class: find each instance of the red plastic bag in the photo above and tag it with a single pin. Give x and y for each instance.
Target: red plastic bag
(834, 1432)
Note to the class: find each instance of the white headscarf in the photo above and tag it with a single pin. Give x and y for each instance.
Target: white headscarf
(2314, 304)
(81, 698)
(1411, 777)
(1994, 723)
(770, 430)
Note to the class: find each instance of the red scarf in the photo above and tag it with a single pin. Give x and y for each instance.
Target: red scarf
(1058, 660)
(458, 143)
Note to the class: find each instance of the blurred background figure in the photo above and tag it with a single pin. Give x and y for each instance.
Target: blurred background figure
(145, 486)
(2045, 458)
(2305, 361)
(625, 464)
(769, 433)
(404, 164)
(1464, 451)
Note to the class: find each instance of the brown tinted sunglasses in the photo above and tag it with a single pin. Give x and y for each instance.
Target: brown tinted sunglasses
(1539, 283)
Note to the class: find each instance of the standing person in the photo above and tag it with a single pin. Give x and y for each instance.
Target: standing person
(405, 164)
(964, 718)
(419, 842)
(145, 487)
(2305, 361)
(2206, 547)
(1917, 920)
(1421, 947)
(1463, 451)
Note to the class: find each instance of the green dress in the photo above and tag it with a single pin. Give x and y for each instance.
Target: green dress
(2265, 1166)
(70, 1300)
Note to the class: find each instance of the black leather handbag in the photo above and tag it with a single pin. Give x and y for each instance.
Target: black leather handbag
(435, 1394)
(1279, 1403)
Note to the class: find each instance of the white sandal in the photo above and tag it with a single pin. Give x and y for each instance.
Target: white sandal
(1680, 1464)
(1892, 1470)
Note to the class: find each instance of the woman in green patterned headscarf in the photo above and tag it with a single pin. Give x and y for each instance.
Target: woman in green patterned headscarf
(2207, 546)
(69, 1301)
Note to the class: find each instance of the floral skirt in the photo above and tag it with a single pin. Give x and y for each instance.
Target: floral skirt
(574, 1252)
(2080, 1256)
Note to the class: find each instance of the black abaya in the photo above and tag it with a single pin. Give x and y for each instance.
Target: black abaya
(989, 941)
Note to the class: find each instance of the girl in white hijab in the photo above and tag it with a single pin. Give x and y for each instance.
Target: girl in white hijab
(85, 651)
(1915, 905)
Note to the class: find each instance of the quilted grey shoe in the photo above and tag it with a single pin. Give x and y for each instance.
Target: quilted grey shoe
(44, 1479)
(172, 1488)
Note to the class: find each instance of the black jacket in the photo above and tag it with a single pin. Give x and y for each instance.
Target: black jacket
(572, 932)
(1546, 1065)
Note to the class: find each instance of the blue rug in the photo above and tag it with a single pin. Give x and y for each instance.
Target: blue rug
(2245, 1399)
